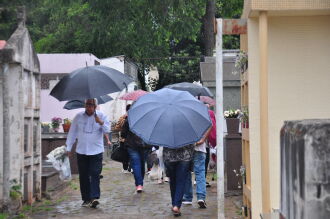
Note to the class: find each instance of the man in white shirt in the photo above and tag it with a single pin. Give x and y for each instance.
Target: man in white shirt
(88, 128)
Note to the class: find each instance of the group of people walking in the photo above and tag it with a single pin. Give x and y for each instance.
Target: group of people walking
(88, 128)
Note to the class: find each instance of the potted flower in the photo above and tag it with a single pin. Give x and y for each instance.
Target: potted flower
(245, 118)
(45, 127)
(66, 124)
(241, 63)
(232, 120)
(56, 121)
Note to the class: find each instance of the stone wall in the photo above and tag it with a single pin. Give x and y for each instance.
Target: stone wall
(20, 127)
(305, 169)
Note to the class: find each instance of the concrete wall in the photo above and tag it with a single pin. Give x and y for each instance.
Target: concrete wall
(231, 82)
(299, 65)
(254, 117)
(20, 105)
(299, 86)
(305, 176)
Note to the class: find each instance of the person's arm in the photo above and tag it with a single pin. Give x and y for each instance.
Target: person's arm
(202, 140)
(103, 121)
(72, 135)
(107, 138)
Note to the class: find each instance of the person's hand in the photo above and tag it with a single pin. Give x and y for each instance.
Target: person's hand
(98, 120)
(200, 141)
(109, 142)
(121, 139)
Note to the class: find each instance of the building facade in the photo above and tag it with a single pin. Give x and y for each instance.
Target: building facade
(288, 48)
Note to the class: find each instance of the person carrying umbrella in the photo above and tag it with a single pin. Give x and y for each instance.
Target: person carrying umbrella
(175, 120)
(138, 152)
(88, 128)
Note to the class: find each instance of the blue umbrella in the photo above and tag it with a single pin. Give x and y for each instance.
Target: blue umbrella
(169, 118)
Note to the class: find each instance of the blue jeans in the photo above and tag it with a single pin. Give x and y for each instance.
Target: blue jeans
(178, 172)
(89, 167)
(199, 170)
(138, 157)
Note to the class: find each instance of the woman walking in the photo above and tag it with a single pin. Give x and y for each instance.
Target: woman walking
(177, 162)
(137, 151)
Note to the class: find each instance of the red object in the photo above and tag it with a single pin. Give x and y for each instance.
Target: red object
(213, 134)
(134, 95)
(2, 44)
(207, 100)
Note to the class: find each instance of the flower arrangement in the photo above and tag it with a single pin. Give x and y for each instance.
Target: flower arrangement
(245, 118)
(241, 62)
(241, 173)
(45, 124)
(45, 127)
(56, 121)
(67, 121)
(228, 114)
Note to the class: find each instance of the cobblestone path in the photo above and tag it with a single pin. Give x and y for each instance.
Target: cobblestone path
(119, 200)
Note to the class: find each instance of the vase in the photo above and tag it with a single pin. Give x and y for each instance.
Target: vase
(232, 125)
(45, 129)
(66, 127)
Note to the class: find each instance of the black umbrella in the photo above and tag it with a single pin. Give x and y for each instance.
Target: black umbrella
(193, 89)
(76, 104)
(90, 82)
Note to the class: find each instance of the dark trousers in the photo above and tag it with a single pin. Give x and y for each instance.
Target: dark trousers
(207, 160)
(178, 173)
(89, 167)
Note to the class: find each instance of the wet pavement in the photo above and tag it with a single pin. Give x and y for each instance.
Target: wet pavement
(119, 200)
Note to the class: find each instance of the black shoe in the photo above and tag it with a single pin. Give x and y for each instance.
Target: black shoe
(201, 203)
(94, 203)
(208, 185)
(85, 203)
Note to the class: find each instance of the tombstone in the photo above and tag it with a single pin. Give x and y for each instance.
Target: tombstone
(305, 169)
(20, 150)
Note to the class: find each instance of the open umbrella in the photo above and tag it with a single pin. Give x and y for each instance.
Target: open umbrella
(169, 118)
(76, 104)
(134, 95)
(90, 82)
(194, 89)
(206, 99)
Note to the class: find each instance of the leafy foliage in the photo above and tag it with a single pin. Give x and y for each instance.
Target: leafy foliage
(146, 31)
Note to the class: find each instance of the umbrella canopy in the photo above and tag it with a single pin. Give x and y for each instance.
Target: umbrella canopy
(134, 95)
(169, 118)
(76, 104)
(207, 100)
(194, 89)
(90, 82)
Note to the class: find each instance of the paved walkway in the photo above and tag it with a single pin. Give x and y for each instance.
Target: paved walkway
(119, 200)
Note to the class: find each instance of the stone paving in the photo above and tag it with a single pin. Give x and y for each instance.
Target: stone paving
(119, 200)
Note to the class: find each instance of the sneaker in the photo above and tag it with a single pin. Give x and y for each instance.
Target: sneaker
(94, 203)
(187, 202)
(201, 203)
(139, 189)
(208, 185)
(166, 179)
(160, 181)
(194, 182)
(85, 203)
(126, 171)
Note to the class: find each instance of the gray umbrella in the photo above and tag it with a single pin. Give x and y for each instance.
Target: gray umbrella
(194, 89)
(90, 82)
(76, 104)
(169, 118)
